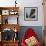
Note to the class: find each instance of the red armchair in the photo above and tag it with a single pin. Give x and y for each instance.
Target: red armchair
(28, 34)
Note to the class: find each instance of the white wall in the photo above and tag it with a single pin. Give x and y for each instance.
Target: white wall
(26, 3)
(31, 3)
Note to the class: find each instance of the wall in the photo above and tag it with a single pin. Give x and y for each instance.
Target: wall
(31, 3)
(26, 3)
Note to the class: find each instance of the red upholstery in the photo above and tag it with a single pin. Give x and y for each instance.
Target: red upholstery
(29, 33)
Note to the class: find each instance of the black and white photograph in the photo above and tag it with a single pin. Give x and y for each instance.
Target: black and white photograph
(31, 13)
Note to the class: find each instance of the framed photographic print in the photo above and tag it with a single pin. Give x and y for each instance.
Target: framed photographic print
(30, 13)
